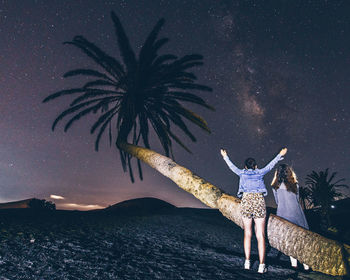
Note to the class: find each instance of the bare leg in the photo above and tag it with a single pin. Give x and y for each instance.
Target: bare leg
(260, 236)
(247, 226)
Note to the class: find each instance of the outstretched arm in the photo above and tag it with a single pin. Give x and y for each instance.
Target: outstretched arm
(273, 162)
(233, 167)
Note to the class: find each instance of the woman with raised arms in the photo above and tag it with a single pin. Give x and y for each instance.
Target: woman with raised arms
(252, 191)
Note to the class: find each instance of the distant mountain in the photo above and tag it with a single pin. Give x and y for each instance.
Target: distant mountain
(146, 205)
(17, 204)
(191, 244)
(32, 203)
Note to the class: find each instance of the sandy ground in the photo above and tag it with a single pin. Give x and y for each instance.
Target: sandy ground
(176, 244)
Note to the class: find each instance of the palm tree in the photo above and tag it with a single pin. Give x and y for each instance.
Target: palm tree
(323, 192)
(304, 197)
(150, 90)
(138, 93)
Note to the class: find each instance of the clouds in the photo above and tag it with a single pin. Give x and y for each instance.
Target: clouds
(53, 196)
(75, 206)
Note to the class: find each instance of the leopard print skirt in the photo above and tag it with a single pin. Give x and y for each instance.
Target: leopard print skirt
(253, 205)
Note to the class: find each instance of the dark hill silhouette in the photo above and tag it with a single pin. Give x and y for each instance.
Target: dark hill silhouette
(176, 243)
(16, 204)
(145, 205)
(30, 203)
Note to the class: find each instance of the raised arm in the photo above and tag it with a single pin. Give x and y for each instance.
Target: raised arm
(273, 162)
(233, 167)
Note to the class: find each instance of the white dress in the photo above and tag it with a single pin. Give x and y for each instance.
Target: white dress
(288, 206)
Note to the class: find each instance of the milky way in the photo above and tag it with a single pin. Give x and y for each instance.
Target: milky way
(279, 70)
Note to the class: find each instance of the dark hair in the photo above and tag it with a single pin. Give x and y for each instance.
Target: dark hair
(250, 163)
(285, 174)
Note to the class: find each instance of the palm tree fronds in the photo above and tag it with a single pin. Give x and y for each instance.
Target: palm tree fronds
(322, 192)
(144, 129)
(140, 169)
(125, 49)
(86, 72)
(63, 92)
(191, 116)
(91, 93)
(189, 97)
(110, 64)
(99, 83)
(160, 43)
(177, 140)
(83, 113)
(70, 111)
(163, 58)
(176, 119)
(189, 58)
(136, 94)
(107, 121)
(131, 173)
(147, 49)
(103, 118)
(191, 86)
(161, 132)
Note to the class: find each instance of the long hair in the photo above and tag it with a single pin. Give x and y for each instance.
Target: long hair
(285, 174)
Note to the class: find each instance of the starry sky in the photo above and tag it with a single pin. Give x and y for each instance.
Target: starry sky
(279, 72)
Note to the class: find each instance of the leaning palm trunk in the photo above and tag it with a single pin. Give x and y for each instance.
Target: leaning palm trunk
(321, 254)
(184, 178)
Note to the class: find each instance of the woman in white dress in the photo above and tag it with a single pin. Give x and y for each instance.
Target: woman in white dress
(286, 191)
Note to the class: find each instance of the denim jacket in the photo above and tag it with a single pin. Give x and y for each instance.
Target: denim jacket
(251, 180)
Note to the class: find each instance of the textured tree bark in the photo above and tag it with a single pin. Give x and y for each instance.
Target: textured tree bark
(184, 178)
(321, 254)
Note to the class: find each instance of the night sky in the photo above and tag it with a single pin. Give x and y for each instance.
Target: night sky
(279, 72)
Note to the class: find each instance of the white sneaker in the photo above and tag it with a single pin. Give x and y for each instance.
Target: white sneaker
(247, 264)
(306, 267)
(262, 268)
(293, 262)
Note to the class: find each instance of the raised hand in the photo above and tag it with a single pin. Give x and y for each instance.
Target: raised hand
(223, 152)
(283, 151)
